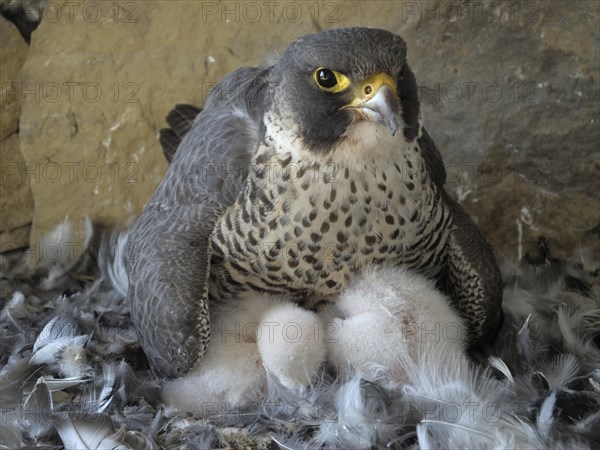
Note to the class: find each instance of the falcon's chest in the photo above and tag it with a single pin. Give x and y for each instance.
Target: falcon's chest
(306, 228)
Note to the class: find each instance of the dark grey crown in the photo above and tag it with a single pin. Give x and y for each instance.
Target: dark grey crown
(357, 53)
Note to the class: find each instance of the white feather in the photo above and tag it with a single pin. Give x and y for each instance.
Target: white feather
(525, 343)
(60, 344)
(59, 384)
(502, 367)
(59, 252)
(16, 308)
(37, 411)
(59, 329)
(103, 399)
(113, 262)
(561, 370)
(545, 417)
(578, 325)
(90, 431)
(446, 401)
(354, 428)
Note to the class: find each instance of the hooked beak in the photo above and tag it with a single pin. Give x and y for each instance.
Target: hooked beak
(377, 99)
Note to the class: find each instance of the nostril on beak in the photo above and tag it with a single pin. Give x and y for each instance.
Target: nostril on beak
(368, 89)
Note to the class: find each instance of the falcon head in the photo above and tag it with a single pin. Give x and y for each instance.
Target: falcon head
(346, 84)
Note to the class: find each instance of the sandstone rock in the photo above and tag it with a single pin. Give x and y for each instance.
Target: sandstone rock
(16, 202)
(99, 91)
(566, 219)
(15, 238)
(511, 90)
(514, 105)
(13, 54)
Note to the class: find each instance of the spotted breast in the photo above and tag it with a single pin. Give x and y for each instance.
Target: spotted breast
(304, 228)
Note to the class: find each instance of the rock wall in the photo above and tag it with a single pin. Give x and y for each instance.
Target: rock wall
(511, 92)
(16, 201)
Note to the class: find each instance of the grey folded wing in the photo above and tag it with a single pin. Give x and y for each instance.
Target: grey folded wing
(433, 160)
(474, 280)
(168, 252)
(472, 277)
(168, 262)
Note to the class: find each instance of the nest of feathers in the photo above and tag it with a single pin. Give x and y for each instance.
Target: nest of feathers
(73, 374)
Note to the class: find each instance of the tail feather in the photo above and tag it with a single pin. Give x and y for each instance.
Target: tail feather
(169, 142)
(180, 120)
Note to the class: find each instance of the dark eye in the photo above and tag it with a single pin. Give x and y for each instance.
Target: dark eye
(326, 78)
(331, 81)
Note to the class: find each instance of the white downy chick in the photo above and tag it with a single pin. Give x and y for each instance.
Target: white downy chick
(292, 347)
(230, 373)
(246, 337)
(386, 320)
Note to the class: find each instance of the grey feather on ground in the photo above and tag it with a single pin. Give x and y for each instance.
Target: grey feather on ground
(541, 389)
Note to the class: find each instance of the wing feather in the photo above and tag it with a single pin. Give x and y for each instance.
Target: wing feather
(472, 277)
(433, 159)
(168, 253)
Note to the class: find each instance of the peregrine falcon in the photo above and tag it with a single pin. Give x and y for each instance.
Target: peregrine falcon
(294, 177)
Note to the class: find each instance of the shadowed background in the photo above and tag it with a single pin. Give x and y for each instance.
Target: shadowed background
(510, 90)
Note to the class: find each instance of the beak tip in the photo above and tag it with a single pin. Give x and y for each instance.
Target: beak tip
(385, 104)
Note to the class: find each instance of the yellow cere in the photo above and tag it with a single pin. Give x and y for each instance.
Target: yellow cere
(371, 85)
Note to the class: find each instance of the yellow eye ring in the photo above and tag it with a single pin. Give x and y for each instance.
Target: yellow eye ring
(330, 80)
